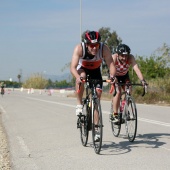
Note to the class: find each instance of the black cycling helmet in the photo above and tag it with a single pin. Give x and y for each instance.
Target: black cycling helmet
(92, 37)
(122, 49)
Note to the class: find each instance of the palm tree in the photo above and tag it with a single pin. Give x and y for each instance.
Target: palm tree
(19, 78)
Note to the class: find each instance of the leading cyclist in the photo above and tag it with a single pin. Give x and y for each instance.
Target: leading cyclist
(123, 60)
(87, 59)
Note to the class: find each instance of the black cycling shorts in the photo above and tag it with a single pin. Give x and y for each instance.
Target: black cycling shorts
(123, 79)
(94, 74)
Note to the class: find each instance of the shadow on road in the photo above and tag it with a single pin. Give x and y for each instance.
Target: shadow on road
(152, 140)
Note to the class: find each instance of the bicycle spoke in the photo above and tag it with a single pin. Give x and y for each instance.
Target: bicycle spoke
(83, 131)
(83, 124)
(97, 143)
(131, 120)
(116, 127)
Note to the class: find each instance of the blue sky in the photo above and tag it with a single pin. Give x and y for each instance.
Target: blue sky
(38, 36)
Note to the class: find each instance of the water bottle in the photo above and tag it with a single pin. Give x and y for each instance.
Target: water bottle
(122, 106)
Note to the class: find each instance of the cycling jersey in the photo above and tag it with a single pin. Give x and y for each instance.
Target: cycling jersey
(89, 61)
(121, 69)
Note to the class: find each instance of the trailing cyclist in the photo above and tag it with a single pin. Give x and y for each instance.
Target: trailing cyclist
(2, 85)
(123, 59)
(87, 59)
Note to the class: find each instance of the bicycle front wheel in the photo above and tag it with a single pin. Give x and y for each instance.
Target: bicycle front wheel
(97, 129)
(131, 119)
(83, 122)
(115, 126)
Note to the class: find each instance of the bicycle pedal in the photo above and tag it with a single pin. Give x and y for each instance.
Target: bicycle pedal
(78, 126)
(122, 121)
(116, 123)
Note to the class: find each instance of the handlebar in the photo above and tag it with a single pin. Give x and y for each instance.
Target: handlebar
(95, 81)
(133, 84)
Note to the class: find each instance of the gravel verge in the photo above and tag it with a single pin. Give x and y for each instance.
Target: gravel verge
(4, 150)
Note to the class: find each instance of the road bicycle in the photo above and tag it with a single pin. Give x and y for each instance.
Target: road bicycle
(127, 112)
(86, 120)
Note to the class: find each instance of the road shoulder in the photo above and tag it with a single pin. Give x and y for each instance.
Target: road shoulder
(4, 150)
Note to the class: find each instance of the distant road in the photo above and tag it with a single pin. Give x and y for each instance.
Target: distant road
(42, 135)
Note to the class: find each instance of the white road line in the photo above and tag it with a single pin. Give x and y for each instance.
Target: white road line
(23, 146)
(154, 122)
(164, 148)
(63, 104)
(148, 105)
(26, 151)
(106, 112)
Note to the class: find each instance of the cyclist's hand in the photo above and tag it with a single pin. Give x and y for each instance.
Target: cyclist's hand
(145, 85)
(79, 80)
(113, 80)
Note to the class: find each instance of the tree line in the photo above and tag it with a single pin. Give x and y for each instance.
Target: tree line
(156, 66)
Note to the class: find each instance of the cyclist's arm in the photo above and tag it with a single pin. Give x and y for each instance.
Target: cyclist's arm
(109, 61)
(75, 59)
(136, 68)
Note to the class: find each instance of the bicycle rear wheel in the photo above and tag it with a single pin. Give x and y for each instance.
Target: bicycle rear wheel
(97, 143)
(131, 119)
(116, 126)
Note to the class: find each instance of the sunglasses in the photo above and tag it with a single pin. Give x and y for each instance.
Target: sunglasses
(94, 45)
(124, 55)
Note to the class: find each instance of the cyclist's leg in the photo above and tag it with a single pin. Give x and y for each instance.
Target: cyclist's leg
(79, 106)
(96, 74)
(79, 95)
(116, 99)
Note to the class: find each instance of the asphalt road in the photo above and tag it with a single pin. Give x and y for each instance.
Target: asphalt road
(42, 135)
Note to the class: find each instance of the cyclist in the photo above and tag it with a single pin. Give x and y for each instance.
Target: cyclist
(87, 59)
(123, 59)
(2, 87)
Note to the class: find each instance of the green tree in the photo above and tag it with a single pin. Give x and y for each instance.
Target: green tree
(110, 38)
(164, 53)
(152, 67)
(62, 84)
(50, 83)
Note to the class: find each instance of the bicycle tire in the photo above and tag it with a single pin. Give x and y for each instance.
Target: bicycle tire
(131, 119)
(97, 144)
(83, 124)
(116, 127)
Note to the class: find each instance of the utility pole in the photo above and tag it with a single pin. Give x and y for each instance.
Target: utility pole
(80, 18)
